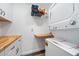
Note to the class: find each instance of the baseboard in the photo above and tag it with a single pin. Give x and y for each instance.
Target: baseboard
(31, 51)
(38, 53)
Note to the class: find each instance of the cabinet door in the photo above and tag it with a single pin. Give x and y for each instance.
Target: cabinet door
(18, 47)
(14, 49)
(2, 53)
(12, 52)
(11, 48)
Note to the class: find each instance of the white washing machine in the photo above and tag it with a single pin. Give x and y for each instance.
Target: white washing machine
(64, 22)
(60, 47)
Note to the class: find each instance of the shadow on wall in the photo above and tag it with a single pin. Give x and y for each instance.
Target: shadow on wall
(5, 28)
(40, 20)
(40, 43)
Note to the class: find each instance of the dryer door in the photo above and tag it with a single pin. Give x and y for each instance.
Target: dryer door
(61, 11)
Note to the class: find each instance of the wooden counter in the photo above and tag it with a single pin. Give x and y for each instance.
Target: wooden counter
(5, 41)
(48, 35)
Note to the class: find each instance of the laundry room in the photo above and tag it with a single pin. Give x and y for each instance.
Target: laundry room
(39, 29)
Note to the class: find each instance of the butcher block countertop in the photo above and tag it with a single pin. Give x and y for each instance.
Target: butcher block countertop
(48, 35)
(5, 41)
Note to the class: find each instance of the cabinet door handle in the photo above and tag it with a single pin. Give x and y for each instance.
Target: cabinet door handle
(17, 50)
(12, 48)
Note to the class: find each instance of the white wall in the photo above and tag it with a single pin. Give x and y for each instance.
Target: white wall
(24, 23)
(7, 8)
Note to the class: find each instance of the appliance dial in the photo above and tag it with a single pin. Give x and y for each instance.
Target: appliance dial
(72, 22)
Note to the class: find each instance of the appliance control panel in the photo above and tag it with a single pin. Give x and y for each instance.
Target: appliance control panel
(71, 23)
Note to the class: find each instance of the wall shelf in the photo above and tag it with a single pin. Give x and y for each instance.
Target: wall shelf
(43, 35)
(4, 19)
